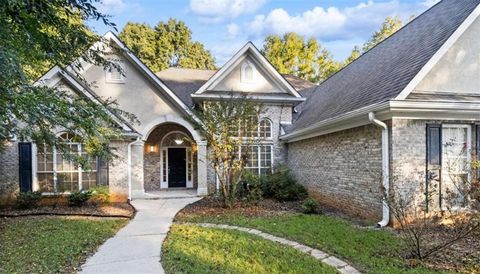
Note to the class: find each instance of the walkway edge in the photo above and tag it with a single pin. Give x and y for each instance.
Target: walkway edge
(342, 266)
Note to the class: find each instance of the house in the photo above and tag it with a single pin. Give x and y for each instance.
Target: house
(391, 112)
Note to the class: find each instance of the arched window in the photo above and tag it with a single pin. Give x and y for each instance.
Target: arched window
(265, 128)
(247, 73)
(57, 172)
(176, 139)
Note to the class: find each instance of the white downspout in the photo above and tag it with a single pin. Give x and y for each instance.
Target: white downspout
(385, 168)
(129, 167)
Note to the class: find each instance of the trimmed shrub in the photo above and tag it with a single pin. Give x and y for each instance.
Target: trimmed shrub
(99, 195)
(79, 198)
(28, 199)
(282, 186)
(310, 206)
(250, 188)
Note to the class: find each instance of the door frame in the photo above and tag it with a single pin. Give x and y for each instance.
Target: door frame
(164, 162)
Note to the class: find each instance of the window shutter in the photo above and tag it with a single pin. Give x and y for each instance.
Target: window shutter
(102, 172)
(434, 156)
(25, 166)
(434, 144)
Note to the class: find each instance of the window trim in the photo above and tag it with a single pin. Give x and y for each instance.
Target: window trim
(108, 74)
(243, 78)
(259, 158)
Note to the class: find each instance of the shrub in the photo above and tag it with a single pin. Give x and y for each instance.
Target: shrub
(79, 198)
(100, 195)
(282, 186)
(310, 206)
(250, 188)
(28, 199)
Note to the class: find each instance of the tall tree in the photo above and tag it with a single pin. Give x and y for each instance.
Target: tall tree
(388, 27)
(33, 35)
(169, 44)
(292, 54)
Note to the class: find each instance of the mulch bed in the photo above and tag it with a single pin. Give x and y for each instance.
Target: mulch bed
(118, 210)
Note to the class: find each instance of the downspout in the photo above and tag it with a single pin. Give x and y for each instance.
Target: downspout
(385, 168)
(129, 167)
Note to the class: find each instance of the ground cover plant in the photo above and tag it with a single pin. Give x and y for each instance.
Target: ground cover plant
(193, 249)
(51, 244)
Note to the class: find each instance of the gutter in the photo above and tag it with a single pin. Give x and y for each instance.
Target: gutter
(129, 167)
(385, 168)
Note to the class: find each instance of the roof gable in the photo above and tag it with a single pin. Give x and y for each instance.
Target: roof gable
(392, 68)
(248, 53)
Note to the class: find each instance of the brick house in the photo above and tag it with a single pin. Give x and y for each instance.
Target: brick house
(392, 111)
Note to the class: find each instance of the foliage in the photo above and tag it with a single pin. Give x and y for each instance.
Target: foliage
(388, 27)
(192, 249)
(28, 199)
(35, 35)
(51, 245)
(225, 125)
(169, 44)
(370, 251)
(100, 194)
(310, 206)
(282, 186)
(250, 187)
(291, 54)
(79, 198)
(419, 218)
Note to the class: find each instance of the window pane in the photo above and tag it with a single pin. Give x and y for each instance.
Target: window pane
(89, 180)
(265, 129)
(45, 182)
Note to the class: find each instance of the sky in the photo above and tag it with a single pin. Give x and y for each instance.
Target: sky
(224, 26)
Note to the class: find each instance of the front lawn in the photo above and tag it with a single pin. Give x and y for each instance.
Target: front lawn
(367, 249)
(193, 249)
(51, 244)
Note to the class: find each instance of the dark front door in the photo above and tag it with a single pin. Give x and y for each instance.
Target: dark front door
(25, 166)
(177, 167)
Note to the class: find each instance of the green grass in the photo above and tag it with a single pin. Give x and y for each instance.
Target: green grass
(51, 245)
(370, 251)
(193, 249)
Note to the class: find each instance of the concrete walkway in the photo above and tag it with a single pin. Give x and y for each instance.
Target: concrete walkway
(136, 247)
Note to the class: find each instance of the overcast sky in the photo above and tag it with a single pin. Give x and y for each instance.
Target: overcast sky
(224, 26)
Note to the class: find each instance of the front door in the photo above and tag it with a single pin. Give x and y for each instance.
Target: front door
(177, 167)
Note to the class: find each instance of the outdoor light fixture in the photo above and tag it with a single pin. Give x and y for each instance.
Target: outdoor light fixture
(178, 141)
(152, 148)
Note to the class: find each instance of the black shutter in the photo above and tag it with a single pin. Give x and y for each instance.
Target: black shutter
(25, 166)
(434, 156)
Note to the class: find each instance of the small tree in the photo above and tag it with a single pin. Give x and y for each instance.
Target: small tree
(228, 126)
(419, 219)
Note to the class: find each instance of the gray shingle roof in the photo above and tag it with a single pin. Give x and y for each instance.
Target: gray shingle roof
(183, 82)
(382, 73)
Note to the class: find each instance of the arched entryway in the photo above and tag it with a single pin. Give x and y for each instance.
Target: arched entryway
(170, 158)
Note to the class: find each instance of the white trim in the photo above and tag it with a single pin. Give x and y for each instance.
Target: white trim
(112, 37)
(35, 186)
(220, 74)
(170, 119)
(439, 54)
(266, 98)
(56, 70)
(443, 110)
(164, 183)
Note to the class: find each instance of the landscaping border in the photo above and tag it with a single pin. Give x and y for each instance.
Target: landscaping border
(342, 266)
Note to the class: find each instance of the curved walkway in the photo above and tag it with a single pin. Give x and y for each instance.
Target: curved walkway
(335, 262)
(136, 248)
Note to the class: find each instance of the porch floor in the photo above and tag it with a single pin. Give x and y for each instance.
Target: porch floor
(171, 193)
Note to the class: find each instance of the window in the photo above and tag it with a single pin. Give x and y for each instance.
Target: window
(258, 158)
(265, 129)
(247, 73)
(57, 173)
(456, 149)
(113, 75)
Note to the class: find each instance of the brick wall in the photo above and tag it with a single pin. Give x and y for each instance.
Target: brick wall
(9, 177)
(342, 169)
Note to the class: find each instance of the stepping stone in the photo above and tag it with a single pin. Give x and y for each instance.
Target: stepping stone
(319, 255)
(335, 262)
